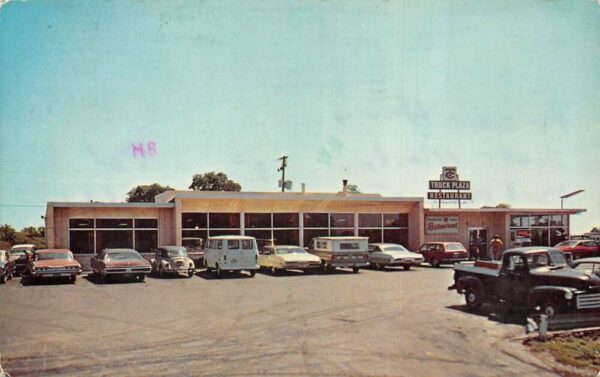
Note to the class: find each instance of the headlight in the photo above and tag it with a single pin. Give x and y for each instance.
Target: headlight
(568, 295)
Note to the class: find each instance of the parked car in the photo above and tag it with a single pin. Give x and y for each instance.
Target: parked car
(195, 249)
(589, 266)
(52, 264)
(534, 278)
(231, 253)
(345, 252)
(22, 254)
(172, 260)
(438, 253)
(383, 255)
(287, 257)
(126, 263)
(580, 248)
(7, 267)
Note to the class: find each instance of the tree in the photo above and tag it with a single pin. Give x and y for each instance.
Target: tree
(353, 189)
(7, 233)
(146, 193)
(595, 230)
(212, 181)
(503, 205)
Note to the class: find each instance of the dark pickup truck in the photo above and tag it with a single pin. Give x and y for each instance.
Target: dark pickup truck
(534, 278)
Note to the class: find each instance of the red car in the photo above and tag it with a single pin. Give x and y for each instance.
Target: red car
(580, 248)
(52, 263)
(436, 253)
(127, 263)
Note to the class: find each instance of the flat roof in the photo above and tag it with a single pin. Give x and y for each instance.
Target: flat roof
(109, 205)
(569, 211)
(241, 195)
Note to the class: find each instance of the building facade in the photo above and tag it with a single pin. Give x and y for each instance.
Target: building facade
(291, 218)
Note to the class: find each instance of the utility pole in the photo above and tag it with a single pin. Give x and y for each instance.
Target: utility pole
(282, 170)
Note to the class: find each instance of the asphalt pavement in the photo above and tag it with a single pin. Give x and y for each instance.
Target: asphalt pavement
(374, 323)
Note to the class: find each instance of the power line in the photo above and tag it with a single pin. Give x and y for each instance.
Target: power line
(21, 205)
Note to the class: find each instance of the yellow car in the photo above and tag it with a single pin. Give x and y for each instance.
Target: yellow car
(287, 257)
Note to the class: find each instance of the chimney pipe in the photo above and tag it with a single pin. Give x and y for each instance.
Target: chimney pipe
(303, 187)
(345, 190)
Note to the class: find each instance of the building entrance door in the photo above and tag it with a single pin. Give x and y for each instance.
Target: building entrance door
(478, 243)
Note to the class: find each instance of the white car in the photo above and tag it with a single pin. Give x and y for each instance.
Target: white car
(287, 257)
(383, 255)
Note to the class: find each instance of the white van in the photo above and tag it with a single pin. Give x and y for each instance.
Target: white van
(349, 252)
(231, 253)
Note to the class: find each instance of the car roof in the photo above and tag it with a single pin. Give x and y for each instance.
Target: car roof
(587, 260)
(171, 247)
(23, 245)
(48, 251)
(232, 237)
(284, 246)
(333, 238)
(119, 250)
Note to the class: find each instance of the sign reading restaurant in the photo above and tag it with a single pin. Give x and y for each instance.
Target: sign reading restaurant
(449, 181)
(441, 225)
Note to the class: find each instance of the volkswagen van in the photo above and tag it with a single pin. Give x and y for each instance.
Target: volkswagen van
(231, 253)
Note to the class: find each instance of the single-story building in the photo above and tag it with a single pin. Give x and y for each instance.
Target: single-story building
(291, 218)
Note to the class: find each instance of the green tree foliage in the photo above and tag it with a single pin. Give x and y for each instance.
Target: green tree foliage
(595, 230)
(503, 205)
(9, 236)
(145, 193)
(353, 189)
(212, 181)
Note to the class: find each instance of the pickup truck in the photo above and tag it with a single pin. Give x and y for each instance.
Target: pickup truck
(534, 278)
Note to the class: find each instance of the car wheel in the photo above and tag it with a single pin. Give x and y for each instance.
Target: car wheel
(161, 272)
(273, 270)
(473, 299)
(355, 270)
(435, 263)
(190, 273)
(141, 278)
(3, 279)
(378, 266)
(406, 267)
(252, 273)
(73, 279)
(218, 272)
(326, 268)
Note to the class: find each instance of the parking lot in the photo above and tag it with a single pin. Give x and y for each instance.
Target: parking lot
(375, 323)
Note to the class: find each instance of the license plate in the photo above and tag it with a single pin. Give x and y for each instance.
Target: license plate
(47, 275)
(128, 275)
(65, 274)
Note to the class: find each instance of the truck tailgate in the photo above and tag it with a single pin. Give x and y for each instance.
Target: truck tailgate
(477, 270)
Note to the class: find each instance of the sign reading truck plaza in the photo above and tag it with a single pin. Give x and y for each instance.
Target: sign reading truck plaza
(449, 181)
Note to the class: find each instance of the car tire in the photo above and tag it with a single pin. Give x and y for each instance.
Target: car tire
(435, 263)
(355, 270)
(473, 299)
(218, 272)
(141, 278)
(406, 267)
(161, 272)
(252, 273)
(326, 268)
(72, 279)
(191, 272)
(273, 270)
(378, 266)
(3, 279)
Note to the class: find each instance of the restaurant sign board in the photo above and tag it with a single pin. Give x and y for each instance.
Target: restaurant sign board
(441, 225)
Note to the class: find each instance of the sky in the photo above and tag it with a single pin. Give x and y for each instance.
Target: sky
(383, 93)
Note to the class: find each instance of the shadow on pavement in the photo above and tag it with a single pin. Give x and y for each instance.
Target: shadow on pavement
(204, 274)
(25, 280)
(517, 317)
(110, 280)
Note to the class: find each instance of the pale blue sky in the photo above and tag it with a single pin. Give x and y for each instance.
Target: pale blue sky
(383, 93)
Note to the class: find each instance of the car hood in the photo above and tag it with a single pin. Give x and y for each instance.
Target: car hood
(55, 263)
(179, 259)
(402, 254)
(299, 258)
(564, 276)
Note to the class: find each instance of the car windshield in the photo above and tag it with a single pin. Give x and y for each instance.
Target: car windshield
(122, 255)
(17, 252)
(454, 246)
(2, 257)
(192, 242)
(177, 253)
(588, 268)
(567, 243)
(57, 255)
(394, 248)
(537, 260)
(289, 250)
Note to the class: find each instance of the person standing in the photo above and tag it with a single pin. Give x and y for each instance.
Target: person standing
(496, 247)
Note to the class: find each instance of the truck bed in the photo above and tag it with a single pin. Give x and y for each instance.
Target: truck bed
(477, 270)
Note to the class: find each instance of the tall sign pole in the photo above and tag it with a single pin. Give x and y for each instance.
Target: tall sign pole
(282, 170)
(449, 181)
